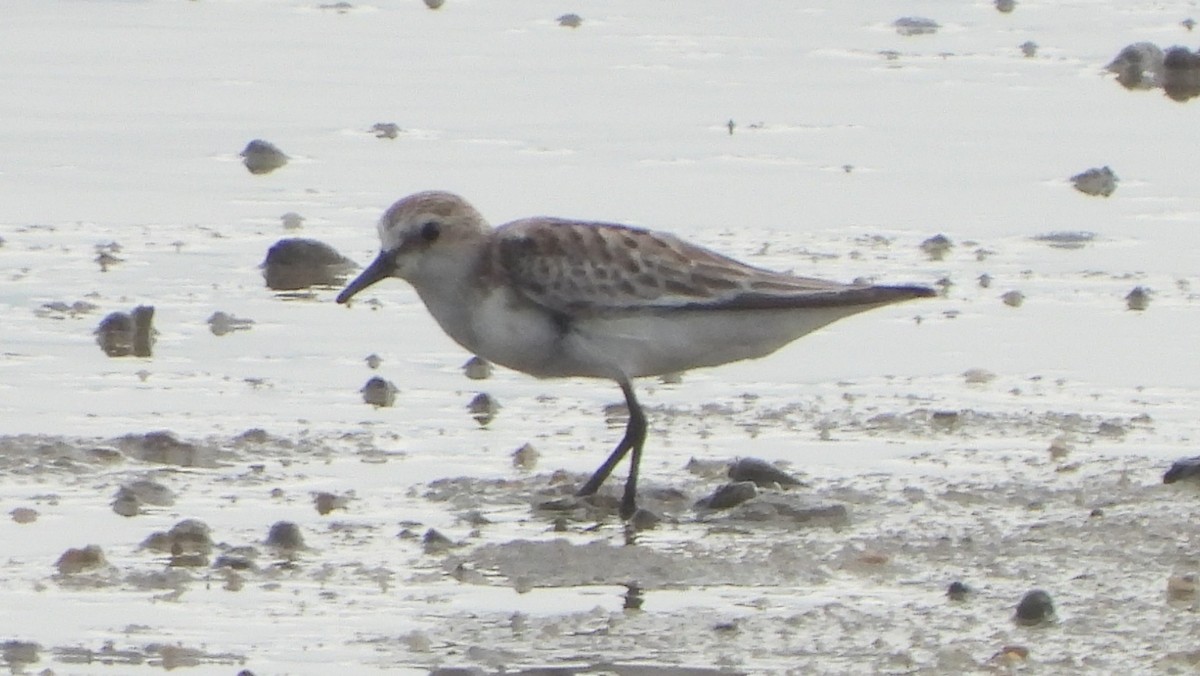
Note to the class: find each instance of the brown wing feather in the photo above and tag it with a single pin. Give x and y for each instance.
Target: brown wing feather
(572, 266)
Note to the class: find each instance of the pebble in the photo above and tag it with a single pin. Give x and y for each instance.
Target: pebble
(1096, 181)
(327, 502)
(937, 247)
(261, 157)
(1183, 469)
(222, 323)
(729, 495)
(385, 130)
(525, 457)
(379, 392)
(123, 334)
(1138, 299)
(915, 25)
(1013, 298)
(292, 221)
(1181, 587)
(1035, 607)
(298, 263)
(477, 368)
(285, 535)
(75, 561)
(762, 473)
(1138, 66)
(958, 591)
(483, 408)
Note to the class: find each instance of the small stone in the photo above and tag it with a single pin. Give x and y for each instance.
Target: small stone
(570, 20)
(1185, 469)
(124, 334)
(327, 502)
(762, 473)
(435, 543)
(1100, 182)
(1138, 66)
(1035, 608)
(1011, 656)
(483, 408)
(729, 495)
(1013, 298)
(18, 653)
(937, 247)
(297, 263)
(23, 515)
(915, 25)
(1060, 448)
(957, 591)
(387, 130)
(477, 368)
(978, 376)
(222, 323)
(1181, 587)
(525, 457)
(190, 536)
(126, 503)
(261, 157)
(75, 561)
(1029, 49)
(379, 392)
(292, 221)
(1138, 299)
(285, 535)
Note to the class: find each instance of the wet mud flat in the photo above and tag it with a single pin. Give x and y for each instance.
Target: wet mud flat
(317, 554)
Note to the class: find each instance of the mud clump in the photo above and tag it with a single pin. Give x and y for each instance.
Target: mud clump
(123, 334)
(379, 392)
(74, 561)
(1035, 608)
(1186, 469)
(483, 408)
(1138, 66)
(762, 473)
(285, 536)
(298, 263)
(1100, 182)
(261, 157)
(164, 449)
(388, 130)
(915, 25)
(189, 543)
(729, 495)
(222, 323)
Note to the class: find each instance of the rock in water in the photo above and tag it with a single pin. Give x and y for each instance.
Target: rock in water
(261, 157)
(298, 263)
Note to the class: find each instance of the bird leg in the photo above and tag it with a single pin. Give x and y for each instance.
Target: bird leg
(635, 436)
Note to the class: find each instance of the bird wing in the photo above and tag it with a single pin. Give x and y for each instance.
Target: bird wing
(574, 266)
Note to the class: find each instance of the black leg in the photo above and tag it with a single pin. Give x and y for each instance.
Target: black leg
(635, 436)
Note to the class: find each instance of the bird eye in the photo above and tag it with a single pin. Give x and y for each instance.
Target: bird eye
(430, 231)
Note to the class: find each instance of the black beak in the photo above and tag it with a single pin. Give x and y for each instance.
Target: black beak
(381, 268)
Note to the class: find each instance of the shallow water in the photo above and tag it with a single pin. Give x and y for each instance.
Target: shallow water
(851, 145)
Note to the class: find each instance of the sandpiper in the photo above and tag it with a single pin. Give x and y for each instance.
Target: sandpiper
(559, 298)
